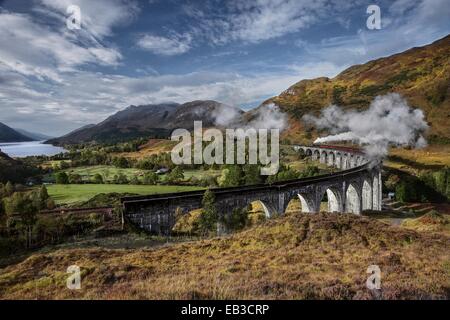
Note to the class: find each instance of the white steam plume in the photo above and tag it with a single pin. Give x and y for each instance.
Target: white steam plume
(225, 116)
(268, 116)
(388, 121)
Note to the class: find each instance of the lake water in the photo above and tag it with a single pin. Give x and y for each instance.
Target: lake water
(33, 148)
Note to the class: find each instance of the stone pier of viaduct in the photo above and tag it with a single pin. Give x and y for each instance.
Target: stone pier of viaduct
(355, 188)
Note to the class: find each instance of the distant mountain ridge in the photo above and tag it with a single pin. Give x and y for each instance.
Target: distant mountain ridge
(8, 134)
(155, 120)
(33, 135)
(421, 75)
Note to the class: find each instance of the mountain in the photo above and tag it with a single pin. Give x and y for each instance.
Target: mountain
(8, 134)
(70, 134)
(132, 122)
(208, 111)
(33, 135)
(155, 120)
(421, 75)
(81, 128)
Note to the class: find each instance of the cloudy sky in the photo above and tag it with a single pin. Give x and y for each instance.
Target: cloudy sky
(54, 79)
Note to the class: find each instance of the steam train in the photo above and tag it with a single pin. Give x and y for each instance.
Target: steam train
(342, 148)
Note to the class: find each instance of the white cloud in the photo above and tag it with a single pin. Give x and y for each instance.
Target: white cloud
(40, 44)
(98, 17)
(165, 46)
(403, 26)
(85, 97)
(254, 21)
(262, 20)
(36, 50)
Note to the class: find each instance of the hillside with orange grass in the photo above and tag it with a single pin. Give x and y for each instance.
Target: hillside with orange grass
(152, 147)
(298, 256)
(421, 75)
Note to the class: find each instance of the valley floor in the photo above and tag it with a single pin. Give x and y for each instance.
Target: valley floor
(299, 256)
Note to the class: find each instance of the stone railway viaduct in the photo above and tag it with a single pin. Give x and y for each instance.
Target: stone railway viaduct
(355, 188)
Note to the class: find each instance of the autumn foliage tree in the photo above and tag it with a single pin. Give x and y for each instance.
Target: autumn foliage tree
(209, 217)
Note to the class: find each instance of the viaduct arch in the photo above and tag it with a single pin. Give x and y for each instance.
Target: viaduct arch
(355, 188)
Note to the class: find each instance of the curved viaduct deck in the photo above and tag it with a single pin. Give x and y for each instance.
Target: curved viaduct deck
(356, 188)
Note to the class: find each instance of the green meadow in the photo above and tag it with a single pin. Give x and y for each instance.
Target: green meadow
(73, 193)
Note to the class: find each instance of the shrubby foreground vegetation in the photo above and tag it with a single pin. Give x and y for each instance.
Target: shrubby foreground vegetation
(22, 226)
(299, 256)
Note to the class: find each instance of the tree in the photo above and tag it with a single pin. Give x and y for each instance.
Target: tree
(121, 162)
(2, 211)
(135, 181)
(43, 193)
(75, 178)
(146, 164)
(208, 181)
(441, 181)
(26, 205)
(407, 191)
(43, 197)
(121, 179)
(237, 220)
(50, 204)
(64, 165)
(28, 209)
(401, 192)
(175, 175)
(209, 217)
(151, 178)
(310, 171)
(287, 173)
(252, 174)
(98, 179)
(62, 178)
(9, 189)
(231, 176)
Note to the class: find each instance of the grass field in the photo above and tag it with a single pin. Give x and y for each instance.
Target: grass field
(69, 194)
(201, 174)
